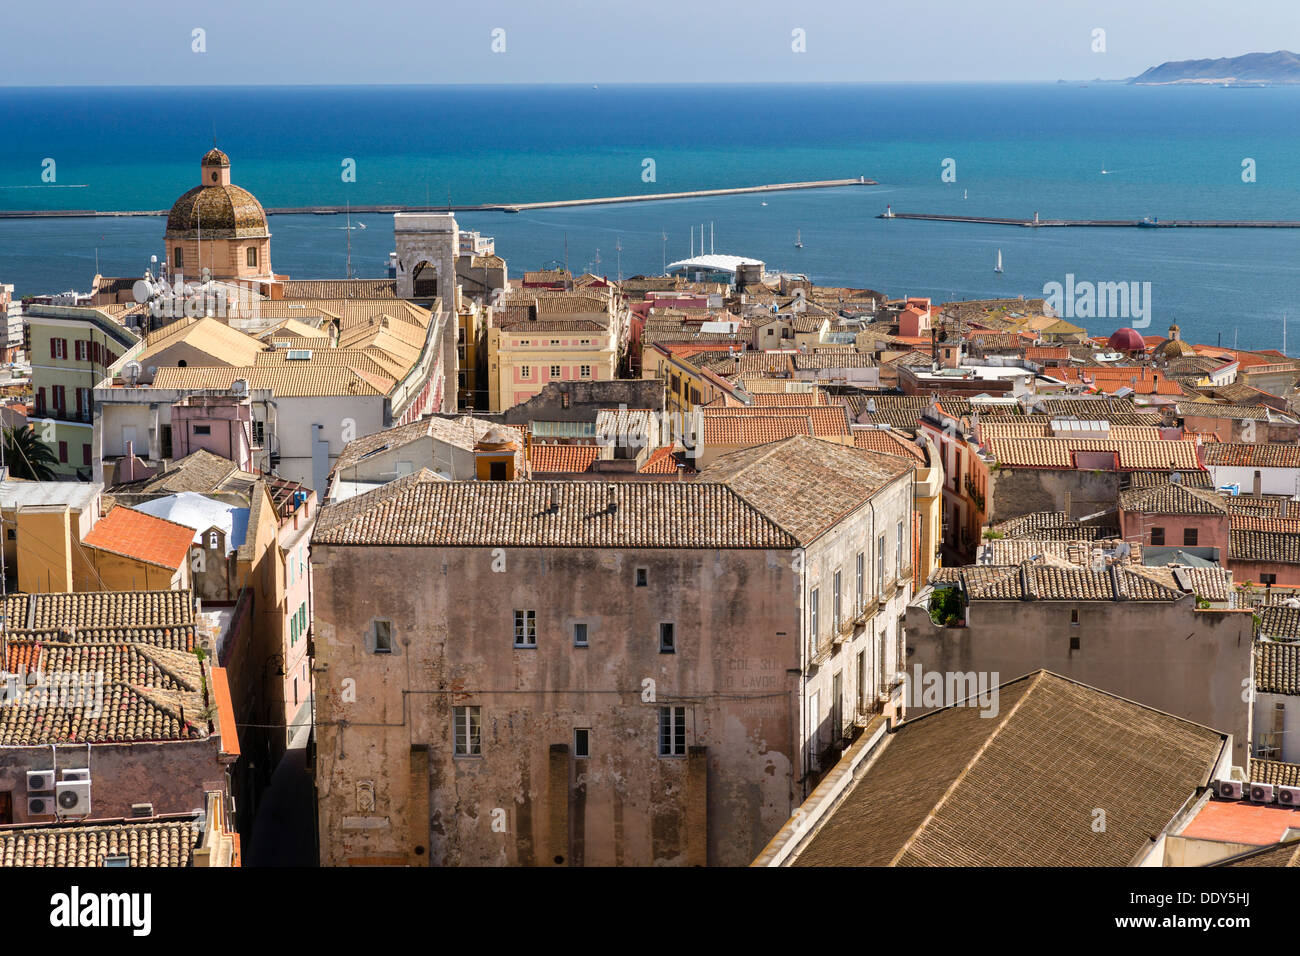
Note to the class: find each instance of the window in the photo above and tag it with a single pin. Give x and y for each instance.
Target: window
(1267, 577)
(525, 628)
(642, 577)
(667, 639)
(383, 637)
(585, 371)
(1074, 642)
(467, 731)
(812, 614)
(1074, 617)
(252, 256)
(63, 452)
(79, 350)
(580, 635)
(1189, 536)
(213, 540)
(525, 371)
(259, 432)
(203, 429)
(672, 731)
(85, 455)
(586, 341)
(1157, 536)
(861, 564)
(835, 601)
(582, 742)
(880, 566)
(178, 258)
(898, 550)
(862, 682)
(555, 371)
(11, 534)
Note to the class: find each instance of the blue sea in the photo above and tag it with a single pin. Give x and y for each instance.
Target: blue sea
(1168, 152)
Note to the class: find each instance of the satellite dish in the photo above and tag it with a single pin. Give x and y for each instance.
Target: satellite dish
(131, 372)
(239, 387)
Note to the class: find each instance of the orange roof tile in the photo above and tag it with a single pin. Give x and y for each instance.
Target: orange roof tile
(563, 458)
(1240, 822)
(134, 534)
(1059, 453)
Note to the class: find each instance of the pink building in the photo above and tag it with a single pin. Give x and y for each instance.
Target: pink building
(219, 424)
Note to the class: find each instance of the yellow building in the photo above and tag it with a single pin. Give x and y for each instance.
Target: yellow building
(526, 354)
(71, 350)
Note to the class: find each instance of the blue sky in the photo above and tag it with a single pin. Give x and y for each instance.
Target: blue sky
(90, 42)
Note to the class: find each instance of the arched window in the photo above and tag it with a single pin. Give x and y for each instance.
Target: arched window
(214, 541)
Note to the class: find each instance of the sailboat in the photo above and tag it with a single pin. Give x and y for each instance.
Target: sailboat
(998, 267)
(798, 239)
(1104, 170)
(963, 194)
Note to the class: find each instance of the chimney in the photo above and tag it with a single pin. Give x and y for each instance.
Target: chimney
(613, 504)
(1258, 487)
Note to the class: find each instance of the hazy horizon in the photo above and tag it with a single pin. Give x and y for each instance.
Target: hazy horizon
(247, 43)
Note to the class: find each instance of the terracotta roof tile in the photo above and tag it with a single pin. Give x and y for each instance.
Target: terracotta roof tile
(551, 459)
(146, 843)
(1251, 455)
(142, 537)
(1277, 668)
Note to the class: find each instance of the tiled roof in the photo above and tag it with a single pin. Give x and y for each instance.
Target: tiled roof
(660, 462)
(1114, 410)
(1189, 479)
(1052, 525)
(156, 609)
(538, 326)
(307, 381)
(954, 788)
(833, 360)
(142, 537)
(1275, 772)
(756, 425)
(199, 471)
(1264, 546)
(340, 289)
(1041, 581)
(1172, 499)
(149, 842)
(773, 496)
(1251, 455)
(461, 432)
(1280, 622)
(210, 336)
(886, 441)
(550, 459)
(1217, 410)
(1266, 523)
(125, 662)
(1058, 453)
(1277, 668)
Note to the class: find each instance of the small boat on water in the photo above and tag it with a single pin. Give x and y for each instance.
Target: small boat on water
(998, 267)
(798, 239)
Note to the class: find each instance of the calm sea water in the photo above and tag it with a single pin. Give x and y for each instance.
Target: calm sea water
(1168, 152)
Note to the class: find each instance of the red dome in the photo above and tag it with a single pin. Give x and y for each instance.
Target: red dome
(1126, 340)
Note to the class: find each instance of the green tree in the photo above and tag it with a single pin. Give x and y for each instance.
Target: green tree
(27, 456)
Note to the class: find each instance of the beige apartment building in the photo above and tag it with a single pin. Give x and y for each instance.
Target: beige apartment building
(602, 673)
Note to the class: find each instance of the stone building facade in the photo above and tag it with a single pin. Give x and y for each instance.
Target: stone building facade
(625, 673)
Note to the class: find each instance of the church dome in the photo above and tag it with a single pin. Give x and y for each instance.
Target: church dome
(1126, 340)
(219, 208)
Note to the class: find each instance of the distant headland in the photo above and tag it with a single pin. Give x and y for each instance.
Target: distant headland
(1249, 69)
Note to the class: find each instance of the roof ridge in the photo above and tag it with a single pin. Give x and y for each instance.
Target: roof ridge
(952, 787)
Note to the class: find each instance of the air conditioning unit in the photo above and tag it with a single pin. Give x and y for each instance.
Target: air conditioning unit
(82, 773)
(73, 798)
(40, 806)
(1261, 792)
(40, 780)
(142, 809)
(1288, 796)
(1229, 789)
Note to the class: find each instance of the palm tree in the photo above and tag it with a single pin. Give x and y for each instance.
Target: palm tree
(27, 456)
